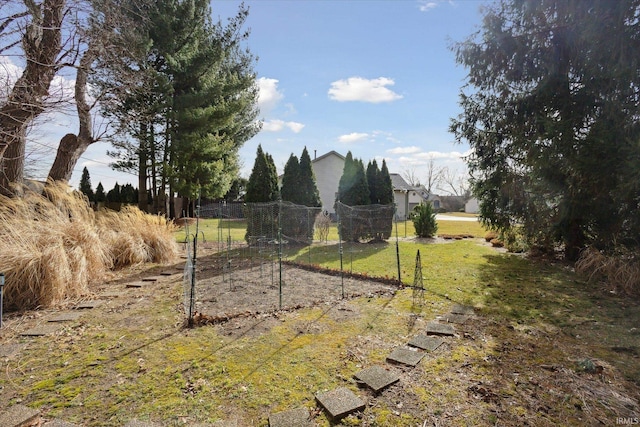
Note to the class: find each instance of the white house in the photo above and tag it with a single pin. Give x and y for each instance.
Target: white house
(327, 170)
(472, 206)
(406, 196)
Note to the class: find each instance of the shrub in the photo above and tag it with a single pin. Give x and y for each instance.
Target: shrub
(424, 220)
(490, 236)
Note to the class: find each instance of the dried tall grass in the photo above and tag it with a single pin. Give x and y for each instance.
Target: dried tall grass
(620, 271)
(53, 245)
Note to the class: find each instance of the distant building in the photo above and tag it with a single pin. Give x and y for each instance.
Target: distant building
(472, 206)
(327, 170)
(407, 197)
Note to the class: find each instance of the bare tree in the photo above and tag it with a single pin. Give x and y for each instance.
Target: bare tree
(39, 27)
(432, 177)
(455, 183)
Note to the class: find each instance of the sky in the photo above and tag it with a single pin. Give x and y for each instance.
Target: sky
(377, 78)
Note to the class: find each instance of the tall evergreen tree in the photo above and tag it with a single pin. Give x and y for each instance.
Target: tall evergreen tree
(114, 194)
(308, 187)
(197, 103)
(374, 182)
(100, 196)
(552, 120)
(385, 195)
(263, 181)
(85, 185)
(291, 190)
(353, 189)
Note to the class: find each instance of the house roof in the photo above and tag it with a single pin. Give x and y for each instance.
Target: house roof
(330, 153)
(399, 183)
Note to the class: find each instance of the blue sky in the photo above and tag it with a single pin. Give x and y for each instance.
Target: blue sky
(376, 78)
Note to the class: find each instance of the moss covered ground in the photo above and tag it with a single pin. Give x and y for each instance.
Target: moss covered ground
(544, 348)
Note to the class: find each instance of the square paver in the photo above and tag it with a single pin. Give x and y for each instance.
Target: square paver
(137, 284)
(426, 342)
(8, 350)
(42, 330)
(340, 402)
(405, 356)
(86, 305)
(65, 316)
(455, 318)
(436, 328)
(169, 272)
(462, 309)
(18, 415)
(298, 417)
(377, 377)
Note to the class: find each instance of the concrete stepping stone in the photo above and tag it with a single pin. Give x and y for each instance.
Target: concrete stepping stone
(377, 378)
(19, 416)
(462, 309)
(455, 318)
(340, 402)
(65, 316)
(151, 278)
(59, 423)
(444, 329)
(8, 350)
(40, 331)
(86, 305)
(138, 284)
(298, 417)
(405, 356)
(169, 273)
(426, 342)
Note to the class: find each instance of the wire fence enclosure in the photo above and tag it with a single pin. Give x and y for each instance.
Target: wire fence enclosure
(266, 257)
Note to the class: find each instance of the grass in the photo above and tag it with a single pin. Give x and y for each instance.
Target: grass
(136, 361)
(217, 230)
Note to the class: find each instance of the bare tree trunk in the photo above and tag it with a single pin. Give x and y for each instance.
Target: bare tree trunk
(42, 44)
(12, 165)
(142, 171)
(71, 146)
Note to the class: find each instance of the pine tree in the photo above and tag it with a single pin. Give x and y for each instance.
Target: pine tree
(308, 187)
(114, 194)
(100, 196)
(291, 190)
(263, 181)
(385, 195)
(374, 182)
(85, 185)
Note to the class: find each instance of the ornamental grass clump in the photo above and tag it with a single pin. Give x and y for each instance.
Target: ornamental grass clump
(53, 245)
(135, 237)
(49, 248)
(620, 271)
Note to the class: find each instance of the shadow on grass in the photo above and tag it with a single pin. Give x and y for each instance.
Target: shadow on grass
(528, 292)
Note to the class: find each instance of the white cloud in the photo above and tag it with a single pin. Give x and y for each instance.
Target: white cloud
(353, 137)
(365, 90)
(426, 6)
(269, 95)
(279, 125)
(404, 150)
